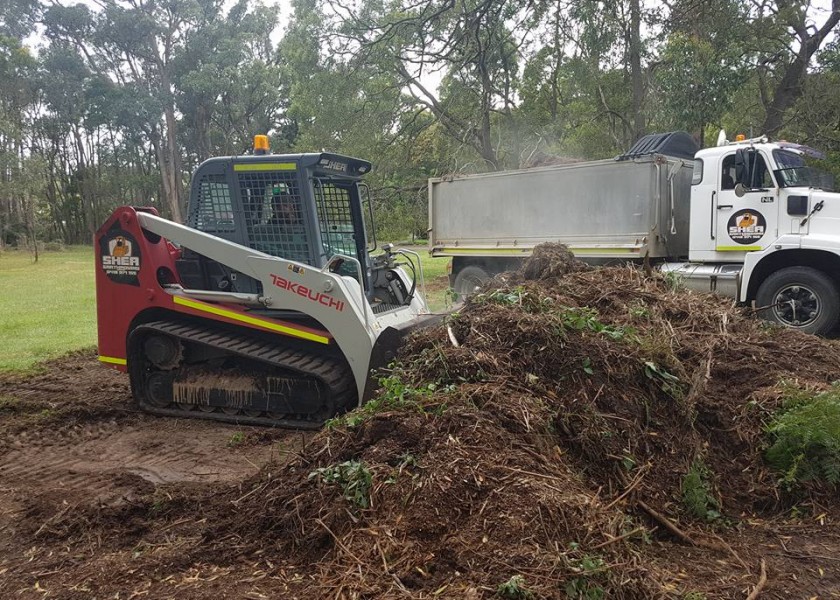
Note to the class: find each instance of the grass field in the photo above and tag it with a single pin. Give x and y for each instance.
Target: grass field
(48, 308)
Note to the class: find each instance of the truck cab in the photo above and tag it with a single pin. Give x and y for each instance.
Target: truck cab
(762, 208)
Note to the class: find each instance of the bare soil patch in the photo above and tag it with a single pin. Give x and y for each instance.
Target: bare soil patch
(75, 455)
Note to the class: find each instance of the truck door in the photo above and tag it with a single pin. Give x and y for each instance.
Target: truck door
(749, 222)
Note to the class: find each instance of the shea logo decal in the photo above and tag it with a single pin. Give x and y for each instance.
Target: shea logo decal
(333, 165)
(120, 257)
(746, 226)
(305, 292)
(119, 247)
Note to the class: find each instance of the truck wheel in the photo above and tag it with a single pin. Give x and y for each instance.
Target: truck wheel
(468, 280)
(802, 298)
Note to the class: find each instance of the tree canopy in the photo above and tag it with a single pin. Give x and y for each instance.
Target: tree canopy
(117, 102)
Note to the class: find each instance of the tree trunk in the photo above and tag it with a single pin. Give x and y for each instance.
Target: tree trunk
(172, 165)
(202, 126)
(636, 74)
(84, 184)
(790, 86)
(29, 220)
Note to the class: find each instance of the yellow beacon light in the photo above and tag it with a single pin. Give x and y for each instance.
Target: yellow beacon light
(260, 144)
(740, 137)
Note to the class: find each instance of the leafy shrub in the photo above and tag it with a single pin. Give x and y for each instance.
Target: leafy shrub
(668, 382)
(514, 589)
(503, 297)
(587, 586)
(697, 495)
(675, 281)
(354, 478)
(394, 394)
(588, 319)
(806, 439)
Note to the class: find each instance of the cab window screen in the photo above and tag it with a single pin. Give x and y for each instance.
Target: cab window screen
(728, 173)
(215, 210)
(335, 219)
(761, 177)
(274, 214)
(697, 172)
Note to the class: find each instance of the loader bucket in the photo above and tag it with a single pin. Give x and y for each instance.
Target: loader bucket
(388, 344)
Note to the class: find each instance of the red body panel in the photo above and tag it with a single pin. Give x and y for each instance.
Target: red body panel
(127, 266)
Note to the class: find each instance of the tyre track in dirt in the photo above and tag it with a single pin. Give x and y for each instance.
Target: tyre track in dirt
(158, 452)
(70, 437)
(73, 418)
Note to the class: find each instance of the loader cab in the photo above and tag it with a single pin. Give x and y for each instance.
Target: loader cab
(301, 207)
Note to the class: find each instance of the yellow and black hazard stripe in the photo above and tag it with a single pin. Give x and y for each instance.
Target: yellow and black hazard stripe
(283, 327)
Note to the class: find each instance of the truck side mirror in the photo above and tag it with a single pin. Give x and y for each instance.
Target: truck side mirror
(740, 190)
(744, 162)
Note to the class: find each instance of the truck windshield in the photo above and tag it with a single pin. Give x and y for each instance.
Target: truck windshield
(794, 170)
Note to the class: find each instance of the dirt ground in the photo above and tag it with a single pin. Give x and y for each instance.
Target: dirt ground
(70, 440)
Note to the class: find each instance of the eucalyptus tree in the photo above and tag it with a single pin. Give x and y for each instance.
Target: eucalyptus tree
(702, 64)
(188, 65)
(18, 17)
(472, 48)
(19, 96)
(787, 35)
(816, 115)
(228, 82)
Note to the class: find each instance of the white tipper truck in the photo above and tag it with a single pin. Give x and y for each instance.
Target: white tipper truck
(752, 219)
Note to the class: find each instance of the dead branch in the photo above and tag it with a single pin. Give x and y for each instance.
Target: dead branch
(665, 522)
(762, 580)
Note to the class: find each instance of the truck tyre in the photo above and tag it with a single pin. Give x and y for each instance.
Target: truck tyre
(468, 280)
(801, 298)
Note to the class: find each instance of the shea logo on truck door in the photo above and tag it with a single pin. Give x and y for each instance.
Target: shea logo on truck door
(120, 257)
(747, 226)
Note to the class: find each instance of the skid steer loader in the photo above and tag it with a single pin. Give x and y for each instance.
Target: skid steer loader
(269, 306)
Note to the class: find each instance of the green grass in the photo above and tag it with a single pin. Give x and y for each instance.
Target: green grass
(432, 267)
(47, 308)
(434, 273)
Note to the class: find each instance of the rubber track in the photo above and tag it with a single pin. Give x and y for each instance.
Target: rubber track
(334, 373)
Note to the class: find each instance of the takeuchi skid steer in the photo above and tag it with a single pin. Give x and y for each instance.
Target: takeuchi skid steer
(268, 306)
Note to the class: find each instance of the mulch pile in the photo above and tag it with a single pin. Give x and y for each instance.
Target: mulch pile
(535, 446)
